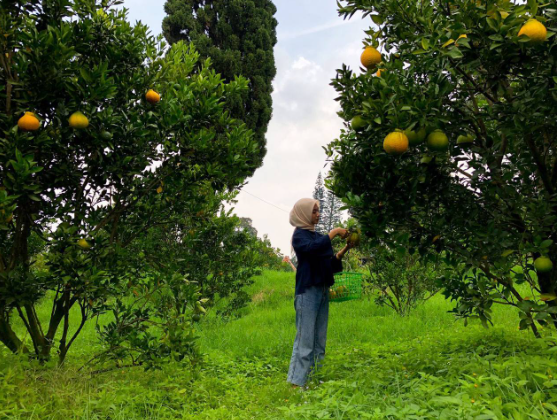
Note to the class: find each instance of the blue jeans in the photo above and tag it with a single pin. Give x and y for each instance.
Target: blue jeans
(312, 316)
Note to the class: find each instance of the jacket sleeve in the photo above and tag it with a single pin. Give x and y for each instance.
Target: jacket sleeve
(303, 243)
(336, 265)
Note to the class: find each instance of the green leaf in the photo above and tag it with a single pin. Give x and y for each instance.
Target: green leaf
(492, 24)
(533, 5)
(377, 19)
(425, 43)
(455, 53)
(85, 75)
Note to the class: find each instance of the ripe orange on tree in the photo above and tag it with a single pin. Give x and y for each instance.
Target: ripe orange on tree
(78, 121)
(152, 96)
(395, 143)
(535, 30)
(29, 122)
(370, 57)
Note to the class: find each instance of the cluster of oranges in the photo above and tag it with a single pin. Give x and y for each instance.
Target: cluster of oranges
(398, 141)
(339, 292)
(78, 121)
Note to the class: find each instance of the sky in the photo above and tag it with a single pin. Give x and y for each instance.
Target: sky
(312, 43)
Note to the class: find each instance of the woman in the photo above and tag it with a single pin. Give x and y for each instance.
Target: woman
(316, 265)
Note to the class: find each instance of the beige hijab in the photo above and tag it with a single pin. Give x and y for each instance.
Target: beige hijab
(300, 215)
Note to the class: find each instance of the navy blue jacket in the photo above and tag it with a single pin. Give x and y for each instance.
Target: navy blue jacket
(316, 260)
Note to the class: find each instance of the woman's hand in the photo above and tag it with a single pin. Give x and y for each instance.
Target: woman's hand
(339, 231)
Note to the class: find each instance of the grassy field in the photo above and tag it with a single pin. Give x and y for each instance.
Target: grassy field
(378, 366)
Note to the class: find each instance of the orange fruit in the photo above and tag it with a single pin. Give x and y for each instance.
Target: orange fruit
(29, 122)
(378, 74)
(535, 30)
(543, 265)
(78, 120)
(438, 141)
(415, 137)
(83, 244)
(354, 238)
(465, 139)
(152, 96)
(358, 123)
(395, 143)
(370, 58)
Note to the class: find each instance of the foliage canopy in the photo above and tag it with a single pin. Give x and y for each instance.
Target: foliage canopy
(488, 205)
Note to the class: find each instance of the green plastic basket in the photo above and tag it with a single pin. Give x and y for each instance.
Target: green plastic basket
(348, 286)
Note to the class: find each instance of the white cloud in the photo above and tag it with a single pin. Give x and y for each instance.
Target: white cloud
(317, 29)
(301, 63)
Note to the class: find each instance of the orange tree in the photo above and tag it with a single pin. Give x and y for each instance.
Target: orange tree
(90, 158)
(473, 178)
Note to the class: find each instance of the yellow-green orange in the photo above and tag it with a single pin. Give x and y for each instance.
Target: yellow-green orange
(358, 123)
(106, 135)
(415, 137)
(395, 143)
(78, 120)
(83, 244)
(438, 141)
(354, 239)
(29, 122)
(370, 57)
(535, 30)
(152, 96)
(543, 265)
(465, 139)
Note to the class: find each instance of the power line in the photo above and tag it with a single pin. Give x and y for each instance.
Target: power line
(271, 204)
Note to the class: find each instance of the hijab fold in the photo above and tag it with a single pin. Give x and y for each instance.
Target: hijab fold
(300, 215)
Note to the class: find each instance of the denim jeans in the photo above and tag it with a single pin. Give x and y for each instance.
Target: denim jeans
(312, 315)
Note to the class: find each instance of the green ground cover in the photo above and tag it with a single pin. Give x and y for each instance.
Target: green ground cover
(378, 366)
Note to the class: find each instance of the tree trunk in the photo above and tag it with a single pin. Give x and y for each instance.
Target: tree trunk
(8, 337)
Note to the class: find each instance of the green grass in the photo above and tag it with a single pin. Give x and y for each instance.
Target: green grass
(378, 366)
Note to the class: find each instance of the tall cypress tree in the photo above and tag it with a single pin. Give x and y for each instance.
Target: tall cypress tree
(331, 217)
(238, 36)
(320, 194)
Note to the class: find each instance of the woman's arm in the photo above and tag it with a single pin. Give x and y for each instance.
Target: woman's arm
(304, 242)
(344, 250)
(338, 231)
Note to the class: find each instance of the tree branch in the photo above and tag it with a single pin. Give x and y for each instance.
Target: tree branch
(540, 163)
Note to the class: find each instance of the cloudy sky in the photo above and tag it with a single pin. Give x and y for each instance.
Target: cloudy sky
(312, 43)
